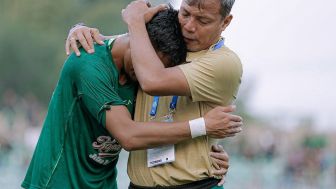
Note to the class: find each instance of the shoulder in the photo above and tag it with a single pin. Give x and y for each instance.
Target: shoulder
(222, 57)
(217, 62)
(98, 63)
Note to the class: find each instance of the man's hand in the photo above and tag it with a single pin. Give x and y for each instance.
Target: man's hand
(82, 36)
(220, 162)
(220, 123)
(140, 11)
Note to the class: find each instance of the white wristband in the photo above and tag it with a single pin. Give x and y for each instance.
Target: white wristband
(197, 127)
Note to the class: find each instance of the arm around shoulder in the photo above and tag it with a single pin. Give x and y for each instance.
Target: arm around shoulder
(218, 123)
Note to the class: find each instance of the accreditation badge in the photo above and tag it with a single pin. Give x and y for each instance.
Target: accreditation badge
(164, 154)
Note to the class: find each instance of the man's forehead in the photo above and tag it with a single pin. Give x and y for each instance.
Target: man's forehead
(198, 3)
(211, 6)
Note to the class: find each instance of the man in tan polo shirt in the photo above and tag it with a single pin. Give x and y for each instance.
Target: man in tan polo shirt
(211, 78)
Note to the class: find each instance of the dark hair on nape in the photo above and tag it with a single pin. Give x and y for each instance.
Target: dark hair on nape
(165, 33)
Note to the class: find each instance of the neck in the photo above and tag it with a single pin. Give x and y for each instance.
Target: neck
(118, 52)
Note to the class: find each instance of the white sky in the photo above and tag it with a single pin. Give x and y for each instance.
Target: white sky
(288, 50)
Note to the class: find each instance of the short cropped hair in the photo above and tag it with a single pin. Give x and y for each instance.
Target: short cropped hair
(165, 33)
(225, 9)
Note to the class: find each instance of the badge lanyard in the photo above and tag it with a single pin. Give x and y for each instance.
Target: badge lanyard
(155, 103)
(164, 154)
(219, 44)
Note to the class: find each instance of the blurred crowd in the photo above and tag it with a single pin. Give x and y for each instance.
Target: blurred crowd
(262, 156)
(275, 158)
(21, 120)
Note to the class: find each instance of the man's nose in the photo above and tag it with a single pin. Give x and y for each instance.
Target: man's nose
(190, 25)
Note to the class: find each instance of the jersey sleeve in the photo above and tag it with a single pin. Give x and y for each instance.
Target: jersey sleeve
(215, 77)
(97, 87)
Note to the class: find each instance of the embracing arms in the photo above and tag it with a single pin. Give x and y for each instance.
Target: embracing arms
(133, 135)
(149, 69)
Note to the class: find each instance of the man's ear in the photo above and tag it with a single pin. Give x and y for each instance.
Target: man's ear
(226, 21)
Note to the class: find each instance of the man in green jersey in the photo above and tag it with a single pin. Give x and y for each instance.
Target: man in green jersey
(89, 116)
(211, 77)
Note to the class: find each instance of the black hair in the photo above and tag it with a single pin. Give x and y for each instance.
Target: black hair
(165, 33)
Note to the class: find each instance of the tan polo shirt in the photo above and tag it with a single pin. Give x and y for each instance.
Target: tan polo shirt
(214, 77)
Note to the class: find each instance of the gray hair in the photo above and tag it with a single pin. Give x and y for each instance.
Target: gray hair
(225, 9)
(226, 6)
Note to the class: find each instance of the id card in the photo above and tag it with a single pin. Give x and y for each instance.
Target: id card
(161, 155)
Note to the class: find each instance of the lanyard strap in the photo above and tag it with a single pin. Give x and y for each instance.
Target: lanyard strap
(219, 44)
(154, 106)
(155, 103)
(173, 103)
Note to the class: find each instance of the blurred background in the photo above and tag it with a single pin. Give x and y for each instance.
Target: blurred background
(286, 98)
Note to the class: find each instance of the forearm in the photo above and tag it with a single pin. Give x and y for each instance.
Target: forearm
(217, 123)
(148, 68)
(153, 134)
(138, 135)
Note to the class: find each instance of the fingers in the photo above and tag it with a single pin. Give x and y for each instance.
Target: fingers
(220, 172)
(235, 127)
(82, 36)
(215, 164)
(221, 124)
(236, 118)
(159, 8)
(217, 148)
(228, 135)
(221, 164)
(232, 131)
(218, 152)
(148, 4)
(222, 160)
(89, 40)
(67, 47)
(73, 44)
(153, 11)
(217, 167)
(140, 10)
(231, 120)
(221, 182)
(97, 36)
(224, 133)
(83, 42)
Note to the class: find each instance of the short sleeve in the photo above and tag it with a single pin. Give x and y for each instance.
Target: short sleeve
(97, 86)
(214, 77)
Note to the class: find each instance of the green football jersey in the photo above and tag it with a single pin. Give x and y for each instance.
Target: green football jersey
(74, 149)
